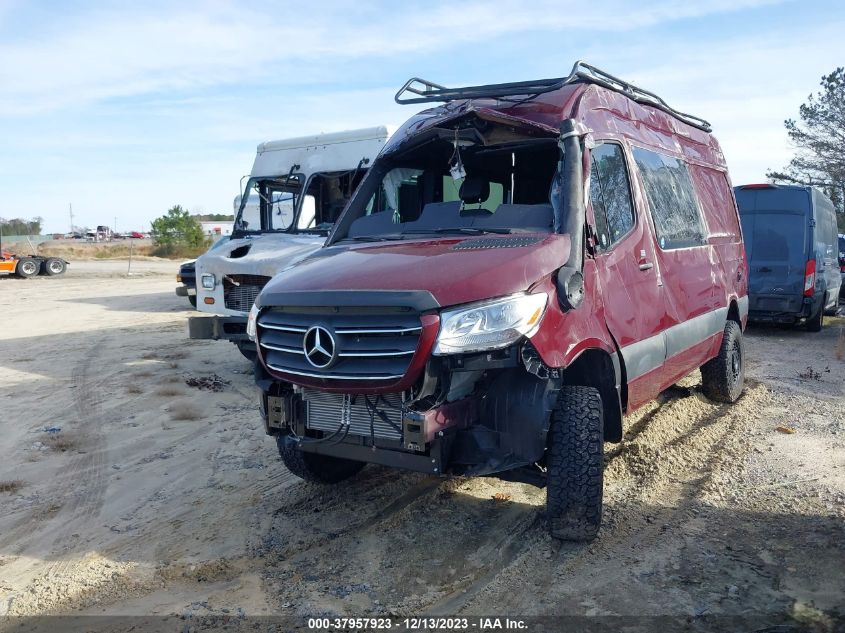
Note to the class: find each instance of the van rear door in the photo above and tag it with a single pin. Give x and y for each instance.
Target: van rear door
(774, 225)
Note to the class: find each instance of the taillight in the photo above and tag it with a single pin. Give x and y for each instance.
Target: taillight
(809, 278)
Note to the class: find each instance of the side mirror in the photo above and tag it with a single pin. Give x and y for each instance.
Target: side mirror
(570, 288)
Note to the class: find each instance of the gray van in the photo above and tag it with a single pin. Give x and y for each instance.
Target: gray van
(792, 248)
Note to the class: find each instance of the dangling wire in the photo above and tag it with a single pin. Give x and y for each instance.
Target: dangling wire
(456, 165)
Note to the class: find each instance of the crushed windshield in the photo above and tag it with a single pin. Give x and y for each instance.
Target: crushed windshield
(443, 188)
(268, 204)
(283, 204)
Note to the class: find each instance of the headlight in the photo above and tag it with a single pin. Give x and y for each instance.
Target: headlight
(489, 325)
(250, 322)
(208, 281)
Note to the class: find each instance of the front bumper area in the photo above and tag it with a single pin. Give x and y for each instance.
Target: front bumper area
(230, 328)
(186, 291)
(492, 421)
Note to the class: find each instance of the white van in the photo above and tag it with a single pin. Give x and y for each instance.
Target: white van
(296, 190)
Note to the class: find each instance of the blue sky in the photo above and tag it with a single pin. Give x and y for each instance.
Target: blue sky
(125, 109)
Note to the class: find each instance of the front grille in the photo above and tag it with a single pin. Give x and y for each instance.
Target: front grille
(367, 345)
(240, 291)
(327, 411)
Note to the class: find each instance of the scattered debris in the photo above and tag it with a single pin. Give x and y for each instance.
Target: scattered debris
(810, 374)
(211, 383)
(52, 429)
(501, 497)
(787, 430)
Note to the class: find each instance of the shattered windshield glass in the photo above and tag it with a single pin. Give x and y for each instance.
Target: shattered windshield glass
(498, 189)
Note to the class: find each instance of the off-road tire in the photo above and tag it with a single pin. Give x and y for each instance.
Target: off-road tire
(53, 266)
(27, 267)
(192, 299)
(318, 469)
(816, 321)
(574, 464)
(723, 377)
(248, 351)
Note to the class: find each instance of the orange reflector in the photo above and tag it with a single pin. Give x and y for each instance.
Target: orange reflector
(208, 300)
(535, 316)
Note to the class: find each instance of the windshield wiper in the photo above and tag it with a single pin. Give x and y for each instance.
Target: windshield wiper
(466, 230)
(373, 238)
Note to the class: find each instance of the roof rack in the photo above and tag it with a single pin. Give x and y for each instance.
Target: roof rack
(428, 91)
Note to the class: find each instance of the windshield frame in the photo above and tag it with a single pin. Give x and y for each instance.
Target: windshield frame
(403, 158)
(297, 196)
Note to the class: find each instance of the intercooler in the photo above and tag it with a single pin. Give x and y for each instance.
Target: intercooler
(327, 411)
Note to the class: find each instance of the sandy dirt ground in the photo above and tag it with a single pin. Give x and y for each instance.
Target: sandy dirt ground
(125, 491)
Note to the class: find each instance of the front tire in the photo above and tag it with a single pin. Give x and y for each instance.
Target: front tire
(318, 469)
(192, 299)
(27, 267)
(723, 377)
(575, 464)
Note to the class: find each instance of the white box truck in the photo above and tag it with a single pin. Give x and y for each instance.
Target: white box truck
(295, 192)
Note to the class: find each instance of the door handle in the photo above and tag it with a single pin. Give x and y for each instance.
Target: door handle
(646, 266)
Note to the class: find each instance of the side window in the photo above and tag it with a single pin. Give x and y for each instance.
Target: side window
(671, 198)
(610, 193)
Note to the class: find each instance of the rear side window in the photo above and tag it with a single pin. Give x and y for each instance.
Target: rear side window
(610, 194)
(671, 198)
(717, 203)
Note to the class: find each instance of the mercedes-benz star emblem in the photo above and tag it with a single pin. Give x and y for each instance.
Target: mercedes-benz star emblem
(319, 346)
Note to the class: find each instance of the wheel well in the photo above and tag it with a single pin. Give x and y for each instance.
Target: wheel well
(733, 312)
(596, 368)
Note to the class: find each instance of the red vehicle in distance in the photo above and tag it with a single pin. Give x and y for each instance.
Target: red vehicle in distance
(521, 267)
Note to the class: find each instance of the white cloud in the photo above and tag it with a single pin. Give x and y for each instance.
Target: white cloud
(115, 53)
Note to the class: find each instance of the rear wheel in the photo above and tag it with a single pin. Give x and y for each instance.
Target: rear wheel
(53, 266)
(815, 322)
(27, 267)
(318, 469)
(575, 463)
(723, 377)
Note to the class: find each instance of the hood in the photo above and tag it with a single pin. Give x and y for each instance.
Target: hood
(264, 254)
(452, 270)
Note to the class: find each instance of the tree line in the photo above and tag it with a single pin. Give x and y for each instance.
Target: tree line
(19, 226)
(819, 140)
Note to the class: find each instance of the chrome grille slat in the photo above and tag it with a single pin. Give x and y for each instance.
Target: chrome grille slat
(314, 374)
(381, 331)
(270, 326)
(287, 350)
(374, 354)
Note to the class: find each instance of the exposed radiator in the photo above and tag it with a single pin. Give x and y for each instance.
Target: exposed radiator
(326, 412)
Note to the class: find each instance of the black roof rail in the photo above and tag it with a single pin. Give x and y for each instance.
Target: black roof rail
(428, 91)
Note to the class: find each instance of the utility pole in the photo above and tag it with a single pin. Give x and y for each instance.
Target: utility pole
(70, 206)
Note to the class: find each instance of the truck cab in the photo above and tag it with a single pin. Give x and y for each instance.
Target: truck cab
(295, 192)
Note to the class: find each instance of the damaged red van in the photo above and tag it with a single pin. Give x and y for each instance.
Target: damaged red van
(522, 266)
